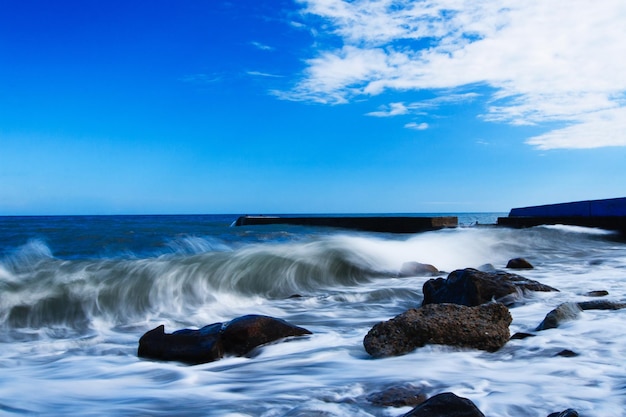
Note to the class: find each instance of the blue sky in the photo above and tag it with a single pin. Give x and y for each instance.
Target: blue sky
(276, 106)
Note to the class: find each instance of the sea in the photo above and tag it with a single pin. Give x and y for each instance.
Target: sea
(77, 293)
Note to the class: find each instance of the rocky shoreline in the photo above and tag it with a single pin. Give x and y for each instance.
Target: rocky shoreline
(470, 309)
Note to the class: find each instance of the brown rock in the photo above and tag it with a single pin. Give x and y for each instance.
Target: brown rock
(416, 269)
(245, 333)
(519, 263)
(398, 397)
(484, 327)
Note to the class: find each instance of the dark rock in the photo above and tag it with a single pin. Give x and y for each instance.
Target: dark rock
(571, 311)
(484, 327)
(566, 353)
(472, 287)
(416, 269)
(189, 346)
(519, 263)
(212, 342)
(446, 404)
(601, 305)
(398, 397)
(521, 335)
(567, 413)
(564, 312)
(598, 293)
(245, 333)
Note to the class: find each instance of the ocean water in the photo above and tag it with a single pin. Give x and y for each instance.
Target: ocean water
(77, 293)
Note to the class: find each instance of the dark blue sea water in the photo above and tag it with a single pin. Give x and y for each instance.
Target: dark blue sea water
(77, 292)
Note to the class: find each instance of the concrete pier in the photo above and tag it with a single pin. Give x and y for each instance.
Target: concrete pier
(385, 224)
(605, 214)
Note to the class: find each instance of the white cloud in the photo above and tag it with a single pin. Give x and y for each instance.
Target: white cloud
(545, 60)
(262, 46)
(416, 126)
(394, 109)
(263, 74)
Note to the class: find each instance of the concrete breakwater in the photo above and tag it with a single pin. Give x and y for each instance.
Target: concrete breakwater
(606, 214)
(387, 224)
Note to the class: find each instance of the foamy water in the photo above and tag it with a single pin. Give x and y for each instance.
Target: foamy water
(71, 322)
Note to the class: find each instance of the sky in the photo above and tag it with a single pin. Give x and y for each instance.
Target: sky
(309, 106)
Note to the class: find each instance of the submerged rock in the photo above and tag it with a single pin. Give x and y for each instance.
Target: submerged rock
(446, 404)
(415, 269)
(212, 342)
(471, 287)
(597, 293)
(571, 311)
(398, 397)
(566, 413)
(484, 327)
(519, 263)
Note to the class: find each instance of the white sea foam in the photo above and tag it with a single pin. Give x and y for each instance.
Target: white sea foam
(347, 283)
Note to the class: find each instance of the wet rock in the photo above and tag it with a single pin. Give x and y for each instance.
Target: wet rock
(398, 397)
(484, 327)
(471, 287)
(566, 353)
(601, 305)
(519, 263)
(245, 333)
(571, 311)
(598, 293)
(567, 413)
(212, 342)
(564, 312)
(521, 335)
(446, 404)
(417, 269)
(189, 346)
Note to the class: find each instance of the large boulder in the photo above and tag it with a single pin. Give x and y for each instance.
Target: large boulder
(484, 327)
(212, 342)
(445, 404)
(471, 287)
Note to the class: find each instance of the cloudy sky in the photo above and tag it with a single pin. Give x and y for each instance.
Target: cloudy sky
(308, 106)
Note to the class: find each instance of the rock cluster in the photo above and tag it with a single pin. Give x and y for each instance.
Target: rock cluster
(212, 342)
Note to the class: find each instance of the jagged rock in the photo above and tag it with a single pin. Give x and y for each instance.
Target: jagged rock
(398, 397)
(212, 342)
(189, 346)
(567, 413)
(484, 327)
(472, 287)
(571, 311)
(519, 263)
(414, 269)
(245, 333)
(567, 353)
(446, 404)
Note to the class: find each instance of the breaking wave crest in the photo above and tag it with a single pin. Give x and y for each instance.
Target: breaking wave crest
(42, 291)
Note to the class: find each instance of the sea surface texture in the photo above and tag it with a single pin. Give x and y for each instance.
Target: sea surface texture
(77, 293)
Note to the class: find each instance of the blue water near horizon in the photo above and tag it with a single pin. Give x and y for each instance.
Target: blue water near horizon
(77, 293)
